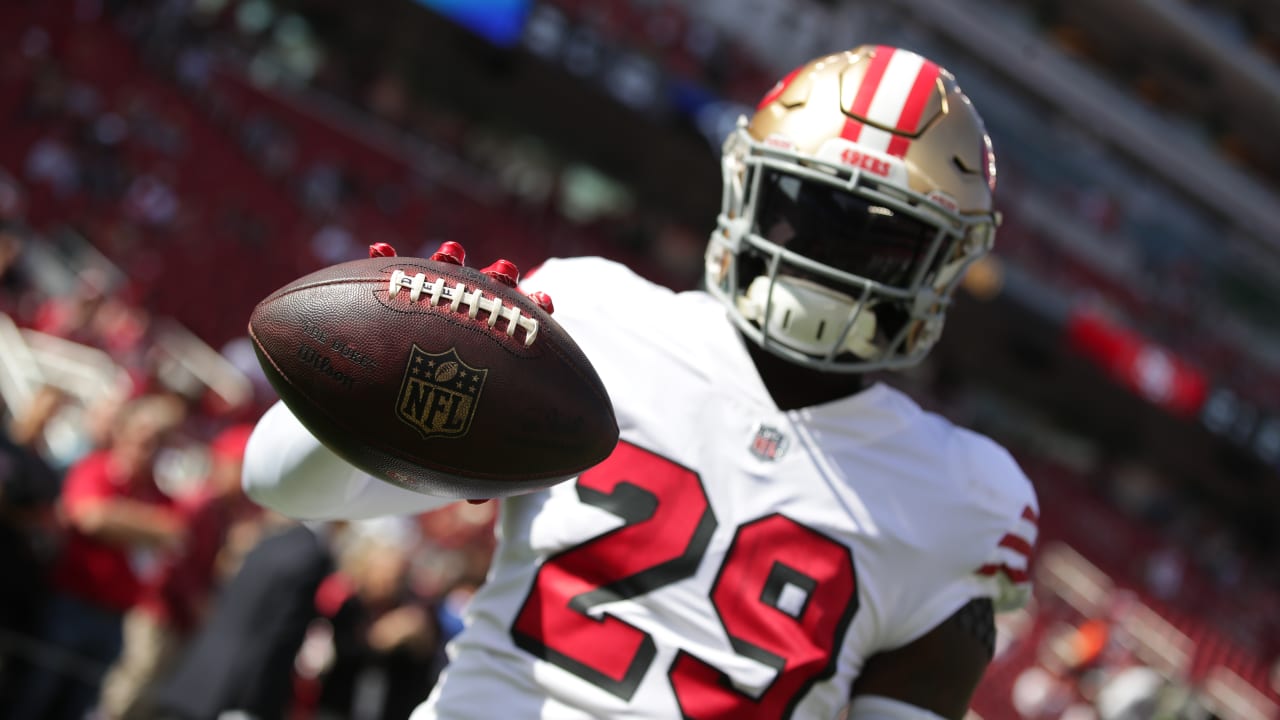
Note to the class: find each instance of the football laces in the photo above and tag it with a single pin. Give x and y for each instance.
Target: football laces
(438, 292)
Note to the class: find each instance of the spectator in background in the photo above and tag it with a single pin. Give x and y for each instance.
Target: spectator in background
(46, 98)
(151, 201)
(323, 186)
(51, 162)
(386, 641)
(116, 520)
(241, 660)
(96, 425)
(70, 315)
(12, 200)
(460, 539)
(1164, 571)
(1131, 692)
(28, 488)
(333, 243)
(194, 67)
(270, 144)
(120, 327)
(174, 603)
(14, 284)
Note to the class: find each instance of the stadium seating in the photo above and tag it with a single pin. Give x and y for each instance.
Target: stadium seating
(245, 227)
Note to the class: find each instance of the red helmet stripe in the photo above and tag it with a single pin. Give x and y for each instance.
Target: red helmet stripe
(851, 130)
(871, 81)
(866, 92)
(778, 88)
(909, 121)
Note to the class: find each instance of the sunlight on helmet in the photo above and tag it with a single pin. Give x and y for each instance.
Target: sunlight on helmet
(854, 201)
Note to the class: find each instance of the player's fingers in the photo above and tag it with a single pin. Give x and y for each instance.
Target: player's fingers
(381, 250)
(542, 300)
(450, 252)
(503, 271)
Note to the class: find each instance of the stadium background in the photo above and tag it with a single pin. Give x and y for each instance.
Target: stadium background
(167, 163)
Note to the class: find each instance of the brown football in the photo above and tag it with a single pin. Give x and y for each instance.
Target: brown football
(434, 377)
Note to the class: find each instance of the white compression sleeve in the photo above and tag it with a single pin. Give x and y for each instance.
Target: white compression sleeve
(875, 707)
(287, 470)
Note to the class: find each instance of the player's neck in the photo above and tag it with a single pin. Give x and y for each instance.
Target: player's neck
(793, 387)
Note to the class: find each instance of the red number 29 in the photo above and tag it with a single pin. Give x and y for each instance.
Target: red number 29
(774, 595)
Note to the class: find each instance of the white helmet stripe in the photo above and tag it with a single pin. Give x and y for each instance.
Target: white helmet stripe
(853, 129)
(873, 138)
(894, 93)
(891, 95)
(922, 89)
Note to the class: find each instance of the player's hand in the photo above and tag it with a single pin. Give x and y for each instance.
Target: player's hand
(500, 270)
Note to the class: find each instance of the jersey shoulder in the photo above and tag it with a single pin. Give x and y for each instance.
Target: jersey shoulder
(963, 518)
(989, 473)
(619, 317)
(577, 284)
(1004, 505)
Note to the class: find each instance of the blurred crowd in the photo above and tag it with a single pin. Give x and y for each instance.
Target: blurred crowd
(1088, 666)
(131, 601)
(1131, 621)
(139, 582)
(147, 143)
(123, 128)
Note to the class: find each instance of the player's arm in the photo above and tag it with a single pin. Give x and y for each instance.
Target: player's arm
(932, 677)
(287, 470)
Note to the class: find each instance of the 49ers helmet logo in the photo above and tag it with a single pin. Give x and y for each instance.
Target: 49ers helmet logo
(439, 394)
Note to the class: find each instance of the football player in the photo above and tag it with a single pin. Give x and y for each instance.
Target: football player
(774, 536)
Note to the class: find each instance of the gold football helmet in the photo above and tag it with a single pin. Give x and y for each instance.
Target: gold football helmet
(854, 200)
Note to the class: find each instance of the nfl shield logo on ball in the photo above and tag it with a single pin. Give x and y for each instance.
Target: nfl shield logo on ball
(769, 443)
(439, 394)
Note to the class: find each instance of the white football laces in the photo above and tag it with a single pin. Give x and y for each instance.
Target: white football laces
(439, 292)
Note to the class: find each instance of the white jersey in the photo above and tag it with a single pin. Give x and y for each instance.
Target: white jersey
(729, 560)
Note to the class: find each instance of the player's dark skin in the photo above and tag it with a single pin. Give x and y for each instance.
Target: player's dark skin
(939, 671)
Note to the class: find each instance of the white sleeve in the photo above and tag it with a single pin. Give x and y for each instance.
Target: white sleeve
(1012, 519)
(287, 470)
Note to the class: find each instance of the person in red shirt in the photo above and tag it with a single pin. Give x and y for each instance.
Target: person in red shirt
(116, 522)
(385, 638)
(173, 604)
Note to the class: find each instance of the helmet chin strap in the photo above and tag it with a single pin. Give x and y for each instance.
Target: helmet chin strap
(809, 317)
